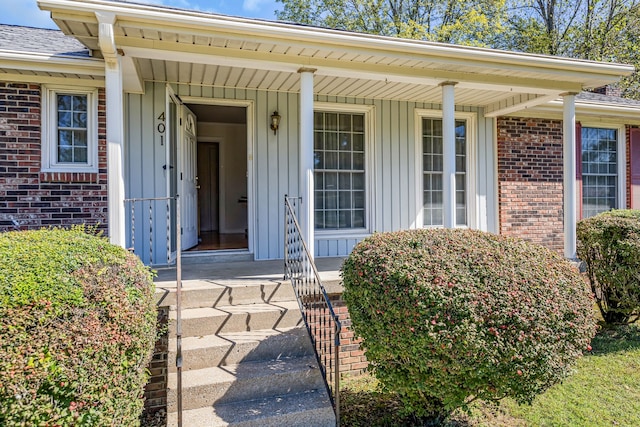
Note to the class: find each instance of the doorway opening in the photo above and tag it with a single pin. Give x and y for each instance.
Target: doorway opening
(222, 183)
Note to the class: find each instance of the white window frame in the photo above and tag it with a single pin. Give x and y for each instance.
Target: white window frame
(50, 129)
(369, 128)
(472, 160)
(621, 129)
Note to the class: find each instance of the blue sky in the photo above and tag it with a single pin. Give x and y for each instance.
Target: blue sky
(26, 12)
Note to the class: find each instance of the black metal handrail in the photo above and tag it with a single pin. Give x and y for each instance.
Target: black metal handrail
(319, 317)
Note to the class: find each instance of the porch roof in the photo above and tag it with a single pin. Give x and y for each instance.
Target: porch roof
(191, 47)
(47, 55)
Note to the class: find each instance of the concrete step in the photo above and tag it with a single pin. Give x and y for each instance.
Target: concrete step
(309, 409)
(198, 322)
(208, 293)
(234, 347)
(244, 381)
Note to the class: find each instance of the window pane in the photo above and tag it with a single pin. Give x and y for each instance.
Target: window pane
(65, 154)
(358, 199)
(331, 199)
(339, 154)
(358, 219)
(331, 141)
(331, 219)
(358, 161)
(79, 120)
(79, 138)
(79, 103)
(358, 122)
(599, 170)
(345, 122)
(330, 160)
(345, 161)
(319, 200)
(319, 214)
(330, 121)
(65, 138)
(345, 141)
(358, 141)
(358, 181)
(344, 200)
(318, 180)
(80, 155)
(64, 102)
(318, 141)
(318, 120)
(344, 219)
(344, 181)
(331, 181)
(64, 119)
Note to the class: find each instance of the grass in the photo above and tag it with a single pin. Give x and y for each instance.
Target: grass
(604, 391)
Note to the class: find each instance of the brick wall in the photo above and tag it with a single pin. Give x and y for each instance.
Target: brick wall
(155, 392)
(352, 359)
(30, 198)
(530, 180)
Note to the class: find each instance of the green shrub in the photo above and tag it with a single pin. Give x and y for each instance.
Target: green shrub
(77, 327)
(450, 316)
(609, 244)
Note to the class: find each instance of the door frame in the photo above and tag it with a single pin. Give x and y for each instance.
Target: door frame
(169, 124)
(249, 106)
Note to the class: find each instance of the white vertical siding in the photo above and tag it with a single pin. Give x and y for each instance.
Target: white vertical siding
(487, 198)
(394, 180)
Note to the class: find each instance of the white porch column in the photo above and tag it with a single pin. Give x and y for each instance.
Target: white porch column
(115, 129)
(449, 154)
(569, 182)
(306, 211)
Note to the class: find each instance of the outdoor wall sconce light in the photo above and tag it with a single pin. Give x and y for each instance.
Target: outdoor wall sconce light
(275, 122)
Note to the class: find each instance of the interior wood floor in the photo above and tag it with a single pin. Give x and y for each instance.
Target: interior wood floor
(212, 241)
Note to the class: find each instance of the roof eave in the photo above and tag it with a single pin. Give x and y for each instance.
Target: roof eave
(324, 37)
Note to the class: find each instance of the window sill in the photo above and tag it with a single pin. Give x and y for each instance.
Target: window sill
(55, 176)
(357, 233)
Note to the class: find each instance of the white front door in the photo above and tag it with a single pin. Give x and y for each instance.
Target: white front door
(189, 180)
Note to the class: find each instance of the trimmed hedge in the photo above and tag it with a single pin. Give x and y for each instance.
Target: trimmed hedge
(609, 244)
(450, 316)
(77, 328)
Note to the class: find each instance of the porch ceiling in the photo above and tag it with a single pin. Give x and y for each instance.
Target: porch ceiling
(206, 49)
(283, 81)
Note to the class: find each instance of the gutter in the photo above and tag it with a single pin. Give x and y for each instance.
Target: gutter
(49, 62)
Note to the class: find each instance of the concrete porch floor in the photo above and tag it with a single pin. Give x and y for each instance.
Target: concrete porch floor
(201, 275)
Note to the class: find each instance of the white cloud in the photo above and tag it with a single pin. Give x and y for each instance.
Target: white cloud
(252, 5)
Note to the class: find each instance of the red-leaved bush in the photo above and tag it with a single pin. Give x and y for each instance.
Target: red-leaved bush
(449, 316)
(77, 327)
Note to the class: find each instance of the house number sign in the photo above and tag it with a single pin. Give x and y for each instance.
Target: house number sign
(161, 127)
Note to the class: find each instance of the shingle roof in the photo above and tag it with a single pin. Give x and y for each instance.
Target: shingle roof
(607, 99)
(40, 40)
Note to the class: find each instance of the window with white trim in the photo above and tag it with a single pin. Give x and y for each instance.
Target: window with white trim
(432, 169)
(599, 170)
(70, 135)
(339, 170)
